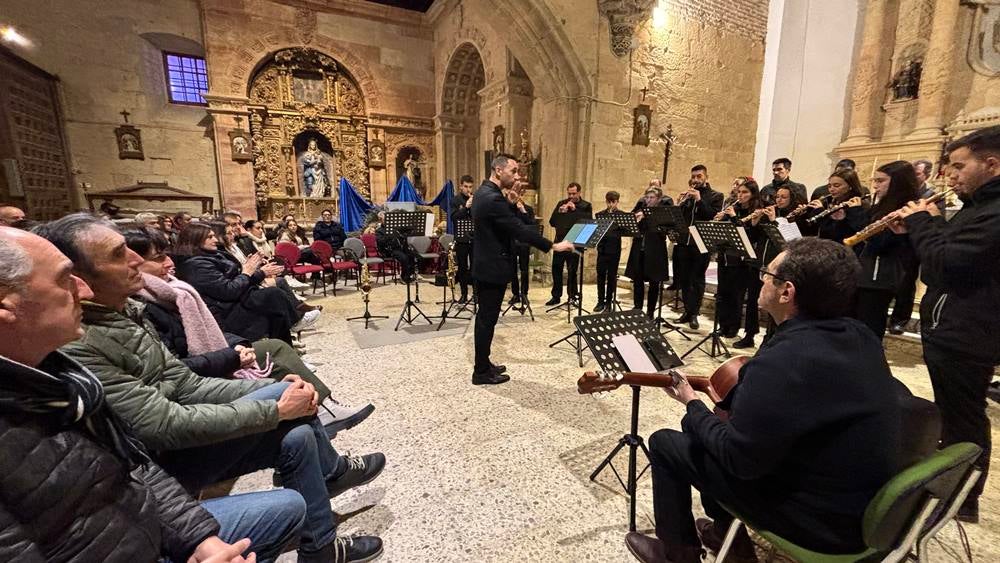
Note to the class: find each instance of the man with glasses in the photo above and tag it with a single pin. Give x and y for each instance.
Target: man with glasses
(812, 433)
(326, 229)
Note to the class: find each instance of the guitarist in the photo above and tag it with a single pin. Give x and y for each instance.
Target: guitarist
(813, 431)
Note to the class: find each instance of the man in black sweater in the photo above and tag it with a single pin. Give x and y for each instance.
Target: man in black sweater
(781, 169)
(812, 434)
(461, 208)
(609, 254)
(495, 230)
(520, 258)
(699, 203)
(960, 263)
(567, 213)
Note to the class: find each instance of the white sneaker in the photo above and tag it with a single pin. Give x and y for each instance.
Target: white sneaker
(336, 416)
(308, 319)
(296, 284)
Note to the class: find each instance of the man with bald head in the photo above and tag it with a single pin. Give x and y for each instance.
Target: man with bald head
(10, 215)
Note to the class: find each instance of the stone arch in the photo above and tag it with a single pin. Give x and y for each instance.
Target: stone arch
(458, 110)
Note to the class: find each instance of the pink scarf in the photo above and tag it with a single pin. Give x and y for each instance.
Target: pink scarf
(200, 328)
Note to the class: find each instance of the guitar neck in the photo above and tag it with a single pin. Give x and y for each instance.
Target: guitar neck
(698, 383)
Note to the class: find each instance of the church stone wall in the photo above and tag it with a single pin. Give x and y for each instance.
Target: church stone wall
(106, 66)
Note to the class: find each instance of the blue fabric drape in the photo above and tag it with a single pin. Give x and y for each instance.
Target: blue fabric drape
(404, 191)
(443, 200)
(353, 207)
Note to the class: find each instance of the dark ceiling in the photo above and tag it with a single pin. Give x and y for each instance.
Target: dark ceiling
(415, 5)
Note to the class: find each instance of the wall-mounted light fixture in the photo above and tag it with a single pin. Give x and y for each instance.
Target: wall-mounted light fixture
(10, 35)
(660, 14)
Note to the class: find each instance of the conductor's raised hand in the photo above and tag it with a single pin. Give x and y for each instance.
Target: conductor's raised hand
(563, 246)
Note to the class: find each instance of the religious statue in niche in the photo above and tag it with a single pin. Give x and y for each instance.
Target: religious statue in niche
(499, 140)
(129, 140)
(906, 84)
(642, 117)
(239, 146)
(408, 163)
(314, 165)
(308, 87)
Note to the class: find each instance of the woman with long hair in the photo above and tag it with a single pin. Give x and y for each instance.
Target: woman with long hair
(885, 256)
(739, 282)
(233, 292)
(844, 187)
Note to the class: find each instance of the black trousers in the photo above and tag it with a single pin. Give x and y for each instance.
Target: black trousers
(572, 261)
(639, 295)
(607, 276)
(906, 294)
(463, 254)
(960, 386)
(873, 309)
(739, 285)
(490, 298)
(679, 462)
(520, 275)
(689, 276)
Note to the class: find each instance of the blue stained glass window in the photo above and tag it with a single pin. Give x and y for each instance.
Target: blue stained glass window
(187, 78)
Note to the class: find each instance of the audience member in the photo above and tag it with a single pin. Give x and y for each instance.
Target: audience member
(326, 229)
(204, 430)
(10, 215)
(76, 485)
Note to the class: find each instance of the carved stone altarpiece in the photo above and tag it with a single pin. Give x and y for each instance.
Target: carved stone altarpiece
(299, 94)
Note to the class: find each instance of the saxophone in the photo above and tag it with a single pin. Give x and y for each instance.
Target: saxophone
(366, 280)
(452, 267)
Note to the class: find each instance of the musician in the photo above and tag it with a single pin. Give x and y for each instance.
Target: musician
(461, 206)
(647, 259)
(567, 213)
(806, 472)
(395, 245)
(824, 190)
(885, 256)
(785, 203)
(960, 263)
(739, 281)
(496, 228)
(844, 186)
(781, 169)
(609, 253)
(521, 257)
(699, 203)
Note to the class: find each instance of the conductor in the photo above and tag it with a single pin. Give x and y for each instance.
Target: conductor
(495, 228)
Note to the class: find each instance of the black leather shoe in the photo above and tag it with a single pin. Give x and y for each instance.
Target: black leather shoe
(345, 549)
(685, 318)
(646, 549)
(745, 342)
(730, 333)
(360, 470)
(499, 368)
(599, 307)
(897, 328)
(489, 378)
(693, 323)
(553, 301)
(514, 299)
(742, 550)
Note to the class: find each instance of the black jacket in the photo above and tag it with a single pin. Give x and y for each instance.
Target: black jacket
(563, 222)
(768, 192)
(496, 227)
(65, 497)
(217, 363)
(611, 244)
(837, 442)
(754, 232)
(703, 210)
(219, 278)
(528, 218)
(332, 232)
(647, 258)
(885, 259)
(460, 211)
(855, 220)
(246, 245)
(960, 263)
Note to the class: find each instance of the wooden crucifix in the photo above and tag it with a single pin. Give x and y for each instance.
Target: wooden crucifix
(668, 140)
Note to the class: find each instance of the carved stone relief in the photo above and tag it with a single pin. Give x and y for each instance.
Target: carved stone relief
(623, 18)
(984, 41)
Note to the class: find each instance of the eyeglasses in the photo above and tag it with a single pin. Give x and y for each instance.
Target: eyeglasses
(763, 273)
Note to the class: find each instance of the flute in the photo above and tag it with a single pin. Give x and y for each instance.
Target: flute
(805, 207)
(755, 214)
(883, 223)
(838, 207)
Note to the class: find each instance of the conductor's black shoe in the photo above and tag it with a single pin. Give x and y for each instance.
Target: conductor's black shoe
(693, 323)
(685, 318)
(489, 378)
(360, 470)
(495, 368)
(346, 549)
(745, 342)
(969, 511)
(553, 301)
(599, 307)
(897, 328)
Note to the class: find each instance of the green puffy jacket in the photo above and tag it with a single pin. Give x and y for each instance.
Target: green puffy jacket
(169, 406)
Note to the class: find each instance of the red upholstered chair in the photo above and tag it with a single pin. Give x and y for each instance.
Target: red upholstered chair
(290, 254)
(388, 265)
(324, 252)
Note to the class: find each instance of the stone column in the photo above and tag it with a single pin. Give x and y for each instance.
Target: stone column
(935, 80)
(867, 93)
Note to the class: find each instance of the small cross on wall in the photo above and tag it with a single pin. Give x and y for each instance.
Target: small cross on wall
(124, 115)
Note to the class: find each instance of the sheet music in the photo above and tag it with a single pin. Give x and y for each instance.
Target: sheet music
(789, 231)
(633, 354)
(746, 243)
(696, 237)
(429, 225)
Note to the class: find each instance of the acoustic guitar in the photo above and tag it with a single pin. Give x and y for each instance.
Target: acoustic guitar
(717, 386)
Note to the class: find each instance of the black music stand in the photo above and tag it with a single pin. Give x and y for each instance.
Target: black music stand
(406, 223)
(524, 306)
(598, 331)
(585, 234)
(464, 228)
(721, 236)
(626, 226)
(670, 221)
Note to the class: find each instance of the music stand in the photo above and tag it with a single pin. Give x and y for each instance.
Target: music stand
(465, 229)
(598, 331)
(626, 226)
(721, 236)
(585, 234)
(406, 223)
(667, 219)
(525, 303)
